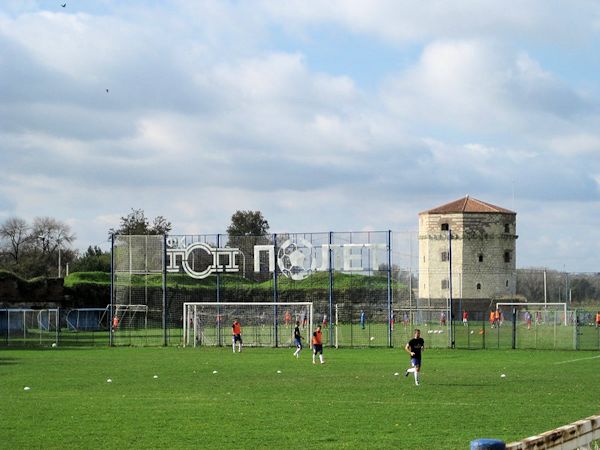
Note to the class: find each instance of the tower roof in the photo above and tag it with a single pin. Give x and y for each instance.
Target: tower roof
(468, 205)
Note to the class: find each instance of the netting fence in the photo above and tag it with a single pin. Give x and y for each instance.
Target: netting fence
(363, 287)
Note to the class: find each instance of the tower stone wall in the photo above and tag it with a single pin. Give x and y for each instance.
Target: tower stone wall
(480, 256)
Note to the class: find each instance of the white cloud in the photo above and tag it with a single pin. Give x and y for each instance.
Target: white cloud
(214, 107)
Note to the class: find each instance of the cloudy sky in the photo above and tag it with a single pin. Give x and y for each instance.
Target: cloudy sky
(327, 116)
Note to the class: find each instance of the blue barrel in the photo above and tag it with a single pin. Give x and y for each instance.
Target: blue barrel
(487, 444)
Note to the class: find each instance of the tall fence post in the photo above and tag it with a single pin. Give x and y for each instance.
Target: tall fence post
(218, 299)
(275, 290)
(112, 289)
(331, 273)
(514, 328)
(164, 292)
(389, 290)
(451, 312)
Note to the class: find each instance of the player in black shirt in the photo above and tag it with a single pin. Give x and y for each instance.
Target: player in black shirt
(297, 340)
(415, 347)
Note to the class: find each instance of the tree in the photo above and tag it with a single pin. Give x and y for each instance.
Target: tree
(15, 233)
(136, 223)
(247, 223)
(48, 239)
(94, 260)
(38, 249)
(247, 229)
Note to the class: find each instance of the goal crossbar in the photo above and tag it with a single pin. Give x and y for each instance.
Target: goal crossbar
(215, 314)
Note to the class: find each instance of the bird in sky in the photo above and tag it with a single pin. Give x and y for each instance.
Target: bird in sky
(107, 91)
(63, 5)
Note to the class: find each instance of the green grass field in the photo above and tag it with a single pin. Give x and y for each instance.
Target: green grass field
(352, 401)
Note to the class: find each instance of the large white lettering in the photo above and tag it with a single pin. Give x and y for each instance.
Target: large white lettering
(295, 259)
(223, 259)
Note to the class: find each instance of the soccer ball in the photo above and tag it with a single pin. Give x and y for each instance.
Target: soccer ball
(54, 345)
(372, 338)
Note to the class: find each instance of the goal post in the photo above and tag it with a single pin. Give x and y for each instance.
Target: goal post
(264, 324)
(539, 310)
(127, 316)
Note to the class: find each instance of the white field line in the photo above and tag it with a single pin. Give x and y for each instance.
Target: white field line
(578, 359)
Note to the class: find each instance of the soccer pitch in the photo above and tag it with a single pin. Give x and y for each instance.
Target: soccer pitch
(265, 398)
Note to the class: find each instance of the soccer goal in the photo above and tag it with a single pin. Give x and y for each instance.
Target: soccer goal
(23, 326)
(130, 317)
(263, 324)
(538, 313)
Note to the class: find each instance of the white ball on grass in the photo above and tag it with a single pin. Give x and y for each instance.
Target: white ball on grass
(26, 388)
(54, 345)
(109, 380)
(279, 371)
(503, 376)
(214, 371)
(372, 338)
(396, 374)
(155, 376)
(471, 331)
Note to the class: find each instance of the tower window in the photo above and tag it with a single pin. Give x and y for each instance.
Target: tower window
(445, 227)
(445, 256)
(507, 256)
(481, 257)
(478, 286)
(506, 283)
(445, 284)
(507, 228)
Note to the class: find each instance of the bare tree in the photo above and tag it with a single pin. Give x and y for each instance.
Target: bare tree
(15, 234)
(50, 234)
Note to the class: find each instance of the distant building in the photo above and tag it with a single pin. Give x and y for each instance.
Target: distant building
(482, 251)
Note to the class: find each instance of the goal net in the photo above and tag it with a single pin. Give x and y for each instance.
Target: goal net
(87, 319)
(537, 314)
(129, 317)
(21, 326)
(263, 324)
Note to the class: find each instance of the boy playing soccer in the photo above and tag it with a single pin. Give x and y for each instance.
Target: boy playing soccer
(297, 340)
(317, 343)
(415, 347)
(236, 330)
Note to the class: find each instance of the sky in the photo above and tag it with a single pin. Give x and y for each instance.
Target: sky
(343, 115)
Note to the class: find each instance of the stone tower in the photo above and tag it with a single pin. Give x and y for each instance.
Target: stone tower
(481, 254)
